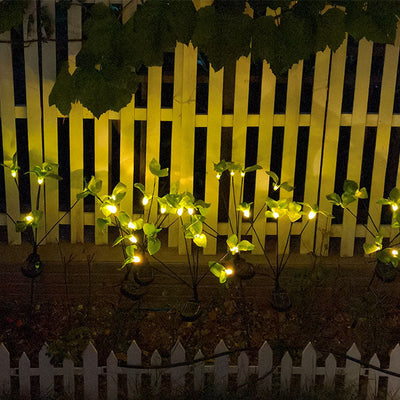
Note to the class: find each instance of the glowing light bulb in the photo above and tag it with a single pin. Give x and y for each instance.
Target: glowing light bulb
(395, 207)
(197, 236)
(275, 214)
(180, 211)
(112, 209)
(358, 193)
(29, 218)
(131, 225)
(229, 271)
(218, 176)
(14, 174)
(246, 213)
(242, 174)
(145, 201)
(163, 210)
(133, 239)
(112, 197)
(234, 250)
(190, 211)
(311, 214)
(136, 259)
(232, 173)
(40, 181)
(395, 253)
(276, 187)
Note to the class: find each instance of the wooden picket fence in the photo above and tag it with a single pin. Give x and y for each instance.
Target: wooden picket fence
(324, 124)
(204, 375)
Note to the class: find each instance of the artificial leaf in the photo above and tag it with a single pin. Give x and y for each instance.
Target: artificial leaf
(394, 195)
(155, 169)
(200, 240)
(94, 185)
(362, 193)
(130, 250)
(123, 218)
(196, 227)
(103, 222)
(252, 168)
(118, 240)
(20, 226)
(286, 186)
(350, 187)
(334, 198)
(140, 187)
(149, 229)
(153, 245)
(245, 245)
(232, 241)
(370, 248)
(218, 270)
(273, 175)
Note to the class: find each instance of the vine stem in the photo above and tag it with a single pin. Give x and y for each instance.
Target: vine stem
(282, 265)
(255, 219)
(235, 206)
(151, 201)
(365, 226)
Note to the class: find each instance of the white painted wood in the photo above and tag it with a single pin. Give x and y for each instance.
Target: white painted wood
(90, 374)
(134, 357)
(112, 377)
(243, 372)
(330, 372)
(308, 365)
(5, 379)
(46, 373)
(352, 370)
(68, 377)
(265, 360)
(373, 378)
(286, 372)
(198, 373)
(24, 372)
(221, 368)
(178, 374)
(393, 385)
(155, 374)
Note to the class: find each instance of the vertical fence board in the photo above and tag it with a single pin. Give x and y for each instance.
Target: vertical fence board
(90, 374)
(286, 372)
(373, 378)
(357, 134)
(9, 135)
(68, 377)
(221, 366)
(290, 145)
(330, 372)
(315, 144)
(198, 373)
(24, 369)
(46, 378)
(265, 359)
(213, 152)
(177, 374)
(134, 357)
(243, 373)
(331, 139)
(308, 365)
(267, 103)
(5, 379)
(393, 385)
(112, 377)
(352, 370)
(155, 374)
(75, 128)
(50, 137)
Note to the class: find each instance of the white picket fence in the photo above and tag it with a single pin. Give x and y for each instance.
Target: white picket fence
(220, 370)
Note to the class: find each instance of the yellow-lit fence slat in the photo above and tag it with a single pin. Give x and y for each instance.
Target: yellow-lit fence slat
(176, 145)
(331, 140)
(75, 129)
(315, 143)
(265, 130)
(388, 89)
(50, 127)
(215, 97)
(8, 132)
(290, 145)
(357, 134)
(33, 111)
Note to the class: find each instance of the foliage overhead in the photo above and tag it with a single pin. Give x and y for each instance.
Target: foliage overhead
(113, 53)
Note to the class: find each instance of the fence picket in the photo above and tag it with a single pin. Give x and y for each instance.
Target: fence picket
(265, 359)
(177, 374)
(134, 357)
(112, 377)
(373, 378)
(5, 379)
(393, 385)
(198, 373)
(155, 374)
(221, 368)
(308, 366)
(90, 373)
(330, 372)
(243, 372)
(352, 370)
(286, 372)
(24, 374)
(46, 372)
(68, 377)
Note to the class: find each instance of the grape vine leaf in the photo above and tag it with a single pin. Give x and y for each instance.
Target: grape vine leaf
(11, 14)
(330, 30)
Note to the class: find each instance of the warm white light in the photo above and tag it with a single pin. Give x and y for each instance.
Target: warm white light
(218, 176)
(40, 181)
(234, 250)
(190, 211)
(276, 187)
(232, 173)
(311, 214)
(395, 253)
(131, 225)
(395, 207)
(229, 271)
(112, 197)
(145, 201)
(29, 218)
(112, 209)
(246, 213)
(275, 214)
(136, 259)
(14, 174)
(242, 174)
(163, 210)
(180, 211)
(133, 239)
(358, 193)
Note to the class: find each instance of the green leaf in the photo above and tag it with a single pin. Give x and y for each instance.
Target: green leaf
(130, 250)
(118, 192)
(362, 193)
(155, 169)
(252, 168)
(245, 245)
(150, 229)
(220, 167)
(103, 222)
(153, 245)
(94, 185)
(370, 248)
(123, 218)
(286, 186)
(181, 17)
(232, 241)
(83, 194)
(140, 187)
(350, 187)
(54, 176)
(218, 270)
(118, 240)
(200, 240)
(11, 14)
(334, 198)
(63, 93)
(394, 195)
(273, 175)
(331, 30)
(196, 227)
(37, 217)
(127, 261)
(348, 198)
(138, 224)
(20, 226)
(294, 211)
(271, 203)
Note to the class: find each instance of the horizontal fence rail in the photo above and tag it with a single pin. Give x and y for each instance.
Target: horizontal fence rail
(201, 373)
(333, 118)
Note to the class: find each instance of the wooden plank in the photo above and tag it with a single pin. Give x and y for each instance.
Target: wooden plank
(198, 373)
(221, 366)
(90, 374)
(112, 377)
(24, 374)
(286, 372)
(393, 385)
(68, 378)
(308, 366)
(33, 110)
(5, 379)
(331, 140)
(243, 373)
(315, 144)
(50, 137)
(9, 135)
(290, 144)
(134, 357)
(176, 145)
(357, 134)
(330, 372)
(101, 163)
(383, 131)
(213, 152)
(177, 374)
(265, 130)
(373, 378)
(352, 370)
(46, 373)
(265, 364)
(75, 129)
(155, 374)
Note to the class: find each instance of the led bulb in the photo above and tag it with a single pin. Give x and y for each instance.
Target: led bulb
(190, 211)
(395, 253)
(145, 201)
(136, 259)
(275, 214)
(246, 213)
(112, 197)
(232, 173)
(163, 210)
(131, 225)
(395, 207)
(276, 187)
(133, 239)
(358, 193)
(14, 174)
(180, 211)
(112, 209)
(242, 174)
(218, 176)
(29, 218)
(311, 214)
(234, 250)
(229, 271)
(40, 181)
